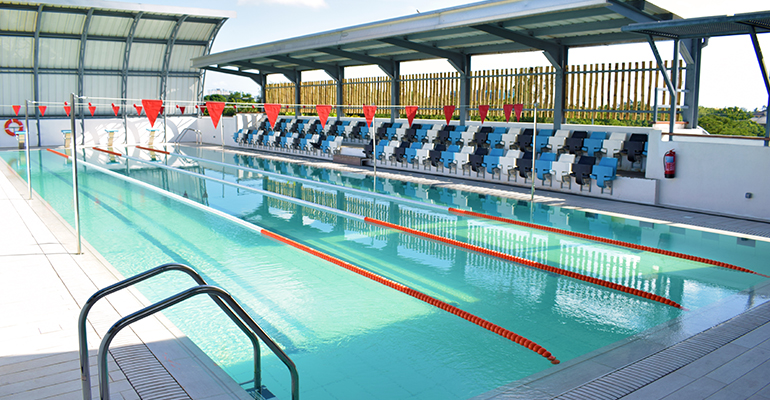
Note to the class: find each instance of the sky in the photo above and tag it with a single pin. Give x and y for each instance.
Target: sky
(730, 74)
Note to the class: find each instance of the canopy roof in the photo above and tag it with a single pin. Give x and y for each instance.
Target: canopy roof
(739, 24)
(488, 27)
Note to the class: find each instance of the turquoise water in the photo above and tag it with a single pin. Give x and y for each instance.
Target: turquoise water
(351, 337)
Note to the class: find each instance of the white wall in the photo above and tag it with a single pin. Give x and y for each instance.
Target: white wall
(714, 177)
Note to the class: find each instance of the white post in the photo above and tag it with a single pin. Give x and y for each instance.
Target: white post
(534, 155)
(26, 142)
(76, 203)
(374, 152)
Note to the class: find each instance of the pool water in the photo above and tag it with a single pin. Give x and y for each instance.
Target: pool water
(353, 338)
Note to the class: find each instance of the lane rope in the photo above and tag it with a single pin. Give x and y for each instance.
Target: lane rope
(151, 149)
(608, 241)
(108, 152)
(516, 338)
(529, 263)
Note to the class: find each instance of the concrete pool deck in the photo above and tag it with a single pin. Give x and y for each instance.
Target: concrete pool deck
(45, 288)
(39, 351)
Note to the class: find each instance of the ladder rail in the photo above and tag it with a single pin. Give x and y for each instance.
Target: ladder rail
(85, 372)
(212, 291)
(198, 134)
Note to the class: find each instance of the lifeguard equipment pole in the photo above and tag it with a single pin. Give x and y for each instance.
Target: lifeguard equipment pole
(26, 148)
(76, 203)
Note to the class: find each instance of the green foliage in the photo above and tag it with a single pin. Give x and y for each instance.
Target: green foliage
(729, 121)
(235, 97)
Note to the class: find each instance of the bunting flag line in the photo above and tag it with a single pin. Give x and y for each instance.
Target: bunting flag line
(215, 111)
(42, 110)
(152, 109)
(483, 110)
(115, 109)
(323, 113)
(507, 108)
(91, 109)
(138, 109)
(272, 111)
(411, 112)
(181, 108)
(518, 108)
(448, 111)
(369, 114)
(16, 110)
(67, 108)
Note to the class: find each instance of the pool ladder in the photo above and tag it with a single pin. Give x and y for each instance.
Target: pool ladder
(223, 299)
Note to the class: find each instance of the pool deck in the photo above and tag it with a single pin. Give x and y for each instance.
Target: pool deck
(724, 348)
(45, 286)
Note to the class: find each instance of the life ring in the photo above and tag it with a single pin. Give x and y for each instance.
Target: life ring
(8, 124)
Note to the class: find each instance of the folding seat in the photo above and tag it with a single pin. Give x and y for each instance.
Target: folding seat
(556, 142)
(492, 161)
(434, 156)
(480, 137)
(310, 144)
(422, 154)
(472, 129)
(500, 129)
(477, 158)
(612, 146)
(561, 169)
(455, 137)
(524, 140)
(541, 140)
(513, 131)
(399, 152)
(594, 143)
(582, 170)
(431, 135)
(604, 172)
(460, 128)
(238, 136)
(421, 135)
(467, 137)
(448, 157)
(321, 138)
(543, 165)
(508, 140)
(574, 143)
(336, 145)
(495, 139)
(524, 165)
(635, 147)
(410, 135)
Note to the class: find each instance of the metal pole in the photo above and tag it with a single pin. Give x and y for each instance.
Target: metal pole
(674, 79)
(165, 124)
(374, 153)
(534, 155)
(26, 142)
(74, 158)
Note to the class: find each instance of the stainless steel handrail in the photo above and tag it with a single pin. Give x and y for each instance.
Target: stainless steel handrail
(198, 134)
(85, 373)
(212, 291)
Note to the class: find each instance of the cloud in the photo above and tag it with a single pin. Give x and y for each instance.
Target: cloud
(305, 3)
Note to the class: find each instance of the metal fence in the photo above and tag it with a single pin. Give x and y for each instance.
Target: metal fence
(623, 91)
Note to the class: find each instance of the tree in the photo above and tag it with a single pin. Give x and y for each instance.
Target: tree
(729, 121)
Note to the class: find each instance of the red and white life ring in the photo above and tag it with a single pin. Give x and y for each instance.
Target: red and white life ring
(13, 121)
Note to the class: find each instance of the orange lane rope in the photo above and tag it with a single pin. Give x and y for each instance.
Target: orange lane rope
(59, 154)
(108, 152)
(518, 339)
(608, 241)
(529, 263)
(151, 149)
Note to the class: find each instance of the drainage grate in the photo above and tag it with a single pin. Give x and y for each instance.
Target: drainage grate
(146, 374)
(633, 377)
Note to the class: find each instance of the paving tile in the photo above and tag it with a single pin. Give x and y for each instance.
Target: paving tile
(699, 389)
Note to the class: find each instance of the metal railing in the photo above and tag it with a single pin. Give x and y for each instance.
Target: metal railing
(198, 136)
(223, 299)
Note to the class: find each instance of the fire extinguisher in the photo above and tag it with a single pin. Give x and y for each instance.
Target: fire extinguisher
(669, 164)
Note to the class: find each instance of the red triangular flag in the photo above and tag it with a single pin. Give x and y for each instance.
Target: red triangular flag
(67, 108)
(448, 111)
(411, 112)
(272, 111)
(323, 113)
(518, 108)
(507, 108)
(215, 111)
(151, 109)
(138, 109)
(483, 110)
(115, 109)
(16, 110)
(181, 109)
(369, 114)
(42, 110)
(92, 109)
(162, 110)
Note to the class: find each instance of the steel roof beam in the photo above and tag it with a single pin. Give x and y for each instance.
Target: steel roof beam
(234, 72)
(82, 58)
(207, 51)
(385, 64)
(457, 60)
(167, 56)
(291, 74)
(330, 69)
(126, 58)
(117, 39)
(630, 12)
(551, 50)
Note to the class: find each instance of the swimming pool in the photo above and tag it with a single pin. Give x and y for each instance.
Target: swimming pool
(353, 338)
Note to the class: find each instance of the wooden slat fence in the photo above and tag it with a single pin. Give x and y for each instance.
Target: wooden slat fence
(622, 91)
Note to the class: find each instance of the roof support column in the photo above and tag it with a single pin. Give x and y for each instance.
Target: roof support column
(298, 95)
(674, 77)
(167, 59)
(691, 53)
(765, 78)
(261, 80)
(465, 90)
(36, 67)
(559, 88)
(395, 91)
(340, 92)
(662, 69)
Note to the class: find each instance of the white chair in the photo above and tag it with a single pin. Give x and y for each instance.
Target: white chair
(514, 131)
(432, 135)
(472, 129)
(422, 154)
(467, 137)
(612, 146)
(508, 139)
(400, 132)
(561, 169)
(556, 142)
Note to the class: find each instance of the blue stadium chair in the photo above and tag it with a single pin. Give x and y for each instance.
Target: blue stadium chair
(493, 139)
(604, 172)
(455, 137)
(544, 164)
(448, 156)
(410, 153)
(236, 135)
(541, 139)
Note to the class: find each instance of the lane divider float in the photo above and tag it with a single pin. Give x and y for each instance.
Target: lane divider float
(151, 149)
(608, 241)
(516, 338)
(494, 328)
(529, 263)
